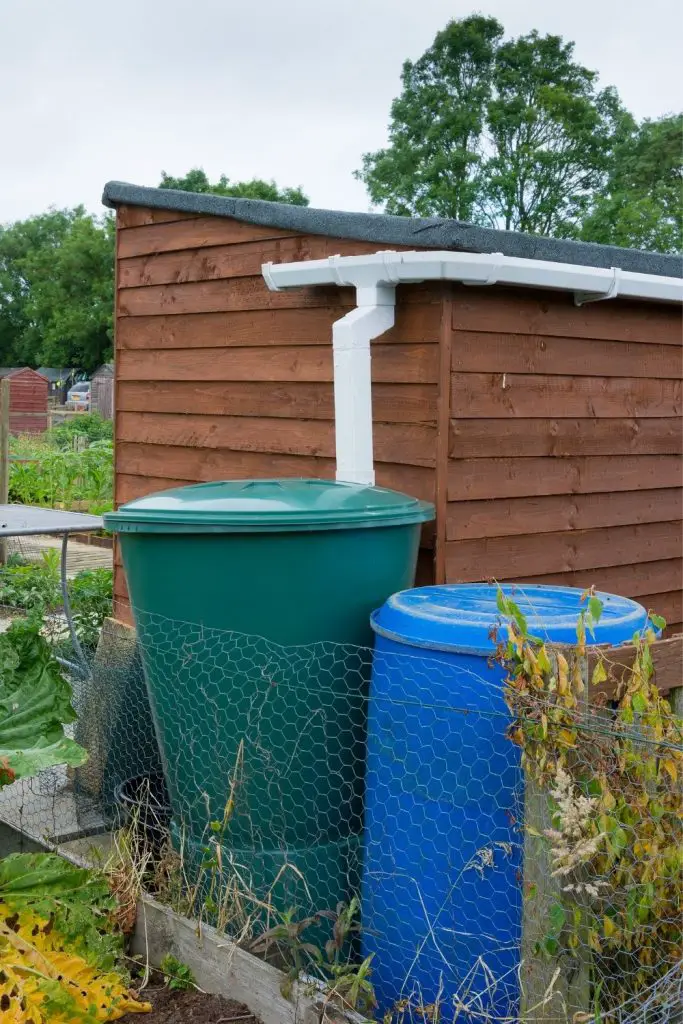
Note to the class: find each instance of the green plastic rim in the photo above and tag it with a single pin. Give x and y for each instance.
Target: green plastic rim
(252, 506)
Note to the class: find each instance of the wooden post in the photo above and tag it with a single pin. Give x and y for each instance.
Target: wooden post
(552, 989)
(4, 454)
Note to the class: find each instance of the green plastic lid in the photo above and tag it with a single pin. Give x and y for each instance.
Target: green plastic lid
(255, 505)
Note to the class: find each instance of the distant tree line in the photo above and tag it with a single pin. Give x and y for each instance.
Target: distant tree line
(510, 133)
(57, 278)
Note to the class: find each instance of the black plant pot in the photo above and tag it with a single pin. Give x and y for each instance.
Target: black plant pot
(143, 804)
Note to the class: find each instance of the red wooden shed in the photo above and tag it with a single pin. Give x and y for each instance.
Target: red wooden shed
(28, 399)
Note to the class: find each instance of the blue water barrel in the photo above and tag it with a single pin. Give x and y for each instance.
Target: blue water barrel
(442, 872)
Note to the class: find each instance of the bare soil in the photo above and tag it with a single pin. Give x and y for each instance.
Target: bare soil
(189, 1007)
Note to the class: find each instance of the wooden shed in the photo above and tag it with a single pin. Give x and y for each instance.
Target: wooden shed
(102, 391)
(548, 434)
(28, 399)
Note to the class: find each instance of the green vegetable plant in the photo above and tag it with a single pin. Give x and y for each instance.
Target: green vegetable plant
(612, 776)
(177, 975)
(35, 705)
(35, 587)
(43, 474)
(91, 594)
(59, 944)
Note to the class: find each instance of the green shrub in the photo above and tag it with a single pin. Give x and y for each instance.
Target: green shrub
(91, 594)
(90, 425)
(35, 587)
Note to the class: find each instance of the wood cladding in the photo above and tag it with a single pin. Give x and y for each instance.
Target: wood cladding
(549, 434)
(565, 443)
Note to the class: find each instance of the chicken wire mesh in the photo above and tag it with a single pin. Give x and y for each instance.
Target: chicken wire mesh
(266, 785)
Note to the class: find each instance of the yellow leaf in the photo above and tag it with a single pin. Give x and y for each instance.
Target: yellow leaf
(599, 674)
(669, 766)
(567, 737)
(608, 926)
(34, 968)
(608, 801)
(563, 675)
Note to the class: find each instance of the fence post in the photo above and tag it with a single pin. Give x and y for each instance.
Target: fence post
(552, 989)
(4, 454)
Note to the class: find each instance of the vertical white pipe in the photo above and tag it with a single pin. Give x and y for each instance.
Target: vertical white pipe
(351, 338)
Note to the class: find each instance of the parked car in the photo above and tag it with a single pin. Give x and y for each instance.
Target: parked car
(78, 397)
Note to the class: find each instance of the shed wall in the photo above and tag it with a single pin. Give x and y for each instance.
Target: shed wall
(550, 435)
(218, 378)
(28, 403)
(102, 395)
(565, 443)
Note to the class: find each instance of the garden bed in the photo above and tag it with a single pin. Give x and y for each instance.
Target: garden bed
(189, 1007)
(221, 967)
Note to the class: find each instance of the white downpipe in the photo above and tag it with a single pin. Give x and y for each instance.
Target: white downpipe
(375, 278)
(351, 337)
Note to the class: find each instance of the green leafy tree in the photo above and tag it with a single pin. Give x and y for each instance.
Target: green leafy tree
(512, 134)
(432, 166)
(57, 289)
(197, 181)
(642, 205)
(551, 136)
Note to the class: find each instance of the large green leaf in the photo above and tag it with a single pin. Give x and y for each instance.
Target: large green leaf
(35, 704)
(78, 902)
(30, 876)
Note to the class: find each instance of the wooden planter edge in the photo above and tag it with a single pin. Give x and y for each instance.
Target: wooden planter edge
(221, 967)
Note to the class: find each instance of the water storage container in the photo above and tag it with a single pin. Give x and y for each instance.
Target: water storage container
(242, 593)
(442, 870)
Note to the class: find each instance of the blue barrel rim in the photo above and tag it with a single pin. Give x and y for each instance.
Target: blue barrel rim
(401, 620)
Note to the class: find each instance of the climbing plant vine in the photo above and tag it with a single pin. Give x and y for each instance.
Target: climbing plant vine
(611, 771)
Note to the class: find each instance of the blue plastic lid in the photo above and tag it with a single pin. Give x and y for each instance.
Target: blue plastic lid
(461, 616)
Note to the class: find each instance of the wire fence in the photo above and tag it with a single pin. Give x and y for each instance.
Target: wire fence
(383, 819)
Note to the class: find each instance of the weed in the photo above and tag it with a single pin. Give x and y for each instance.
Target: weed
(178, 976)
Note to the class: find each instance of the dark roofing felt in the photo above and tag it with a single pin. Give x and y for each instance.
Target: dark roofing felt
(431, 233)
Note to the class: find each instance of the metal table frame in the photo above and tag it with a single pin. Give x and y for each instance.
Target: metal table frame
(30, 521)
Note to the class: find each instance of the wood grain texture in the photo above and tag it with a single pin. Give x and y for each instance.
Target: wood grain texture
(667, 658)
(478, 351)
(215, 262)
(266, 327)
(443, 437)
(308, 363)
(242, 259)
(553, 314)
(128, 488)
(508, 517)
(474, 479)
(668, 604)
(191, 233)
(482, 438)
(405, 443)
(154, 461)
(508, 557)
(237, 293)
(392, 403)
(636, 580)
(530, 395)
(137, 216)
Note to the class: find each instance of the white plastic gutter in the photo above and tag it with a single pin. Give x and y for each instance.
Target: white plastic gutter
(375, 278)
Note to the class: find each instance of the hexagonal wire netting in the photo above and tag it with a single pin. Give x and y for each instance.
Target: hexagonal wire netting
(324, 805)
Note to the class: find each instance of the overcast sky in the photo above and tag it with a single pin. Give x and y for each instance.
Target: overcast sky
(294, 90)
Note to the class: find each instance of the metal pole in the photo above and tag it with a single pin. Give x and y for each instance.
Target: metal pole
(66, 604)
(4, 454)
